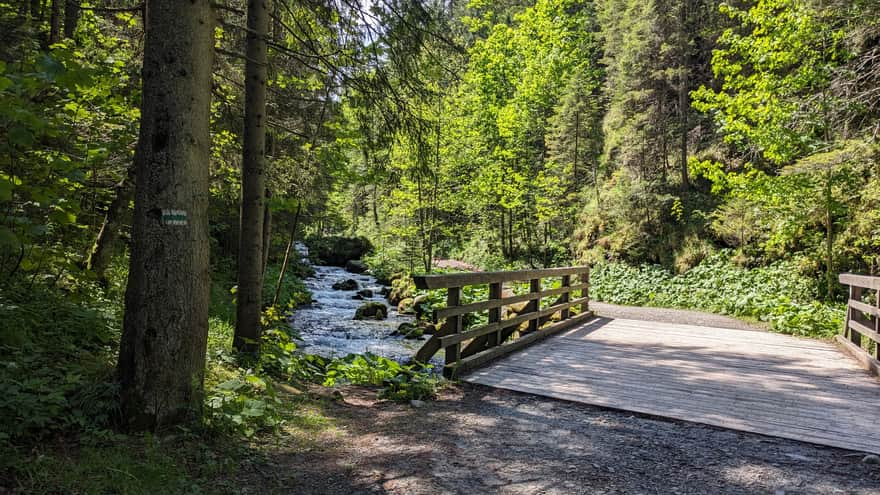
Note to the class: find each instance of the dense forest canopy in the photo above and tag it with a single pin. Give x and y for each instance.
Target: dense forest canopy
(673, 133)
(500, 133)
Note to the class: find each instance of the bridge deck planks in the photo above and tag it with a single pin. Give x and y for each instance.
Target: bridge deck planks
(752, 381)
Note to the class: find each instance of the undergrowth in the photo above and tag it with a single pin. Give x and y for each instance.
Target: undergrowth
(58, 353)
(776, 294)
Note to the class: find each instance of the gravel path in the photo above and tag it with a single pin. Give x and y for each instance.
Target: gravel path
(477, 440)
(666, 315)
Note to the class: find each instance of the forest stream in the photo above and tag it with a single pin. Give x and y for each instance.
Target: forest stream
(327, 326)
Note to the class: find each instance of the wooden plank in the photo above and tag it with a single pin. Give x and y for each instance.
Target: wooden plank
(860, 355)
(864, 330)
(510, 325)
(752, 381)
(864, 308)
(495, 291)
(698, 400)
(865, 281)
(602, 357)
(470, 334)
(653, 384)
(566, 296)
(794, 429)
(453, 298)
(478, 278)
(476, 307)
(484, 357)
(534, 304)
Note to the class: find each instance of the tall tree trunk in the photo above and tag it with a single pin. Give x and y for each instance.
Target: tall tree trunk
(71, 17)
(683, 95)
(165, 330)
(248, 329)
(829, 237)
(577, 135)
(37, 10)
(55, 22)
(105, 244)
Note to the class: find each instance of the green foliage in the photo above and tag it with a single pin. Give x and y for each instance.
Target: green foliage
(136, 465)
(332, 250)
(245, 403)
(780, 54)
(777, 293)
(398, 381)
(56, 373)
(383, 267)
(293, 292)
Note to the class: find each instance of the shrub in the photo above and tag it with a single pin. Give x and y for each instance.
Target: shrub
(56, 372)
(399, 382)
(776, 293)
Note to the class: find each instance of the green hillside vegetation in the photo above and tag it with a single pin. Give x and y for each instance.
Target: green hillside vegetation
(711, 155)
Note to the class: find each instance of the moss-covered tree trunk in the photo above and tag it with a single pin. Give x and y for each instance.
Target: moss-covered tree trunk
(250, 253)
(162, 353)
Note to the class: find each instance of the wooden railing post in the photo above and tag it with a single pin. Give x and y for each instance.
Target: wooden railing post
(467, 348)
(585, 292)
(861, 334)
(495, 291)
(534, 304)
(877, 323)
(855, 293)
(566, 282)
(453, 298)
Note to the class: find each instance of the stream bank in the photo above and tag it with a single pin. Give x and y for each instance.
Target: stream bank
(327, 326)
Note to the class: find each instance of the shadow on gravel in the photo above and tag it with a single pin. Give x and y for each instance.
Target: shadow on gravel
(477, 440)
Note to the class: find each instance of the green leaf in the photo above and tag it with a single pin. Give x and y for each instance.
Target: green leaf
(5, 189)
(62, 217)
(21, 136)
(8, 239)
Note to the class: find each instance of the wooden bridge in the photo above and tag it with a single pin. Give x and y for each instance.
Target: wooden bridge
(761, 382)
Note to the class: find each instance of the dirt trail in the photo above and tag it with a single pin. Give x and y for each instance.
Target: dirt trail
(669, 315)
(476, 440)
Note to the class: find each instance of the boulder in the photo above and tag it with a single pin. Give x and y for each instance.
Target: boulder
(372, 310)
(409, 331)
(428, 328)
(349, 284)
(405, 306)
(365, 293)
(356, 266)
(418, 305)
(401, 289)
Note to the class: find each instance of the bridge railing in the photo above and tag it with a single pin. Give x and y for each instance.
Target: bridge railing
(861, 333)
(466, 348)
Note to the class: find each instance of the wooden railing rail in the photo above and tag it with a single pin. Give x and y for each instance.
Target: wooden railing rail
(468, 348)
(861, 332)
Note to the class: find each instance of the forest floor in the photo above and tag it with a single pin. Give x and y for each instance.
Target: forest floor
(475, 439)
(471, 440)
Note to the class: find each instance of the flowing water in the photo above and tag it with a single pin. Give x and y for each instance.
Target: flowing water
(327, 325)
